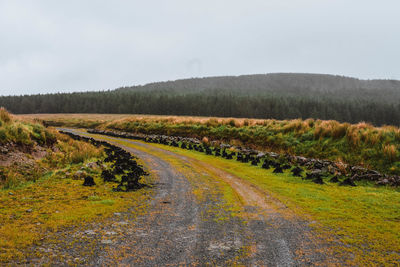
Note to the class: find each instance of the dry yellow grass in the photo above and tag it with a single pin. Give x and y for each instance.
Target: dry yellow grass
(4, 115)
(390, 151)
(328, 128)
(148, 118)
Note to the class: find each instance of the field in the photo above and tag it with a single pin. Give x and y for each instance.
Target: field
(356, 144)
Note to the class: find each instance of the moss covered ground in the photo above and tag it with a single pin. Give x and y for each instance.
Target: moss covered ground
(34, 211)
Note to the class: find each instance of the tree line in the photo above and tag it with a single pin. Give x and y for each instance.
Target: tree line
(228, 105)
(277, 96)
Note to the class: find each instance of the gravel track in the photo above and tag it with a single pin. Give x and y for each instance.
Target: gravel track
(179, 228)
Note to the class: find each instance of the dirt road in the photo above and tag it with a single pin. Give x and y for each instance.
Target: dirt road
(189, 222)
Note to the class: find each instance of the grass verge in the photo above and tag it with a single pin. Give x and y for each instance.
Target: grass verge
(32, 212)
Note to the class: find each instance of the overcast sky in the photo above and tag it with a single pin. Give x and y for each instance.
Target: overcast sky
(63, 46)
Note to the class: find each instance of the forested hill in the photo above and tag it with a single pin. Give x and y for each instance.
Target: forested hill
(278, 96)
(279, 84)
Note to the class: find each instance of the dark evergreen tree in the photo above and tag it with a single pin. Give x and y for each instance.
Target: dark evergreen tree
(278, 96)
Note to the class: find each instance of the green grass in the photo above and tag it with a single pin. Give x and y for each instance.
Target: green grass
(23, 132)
(55, 202)
(109, 202)
(365, 218)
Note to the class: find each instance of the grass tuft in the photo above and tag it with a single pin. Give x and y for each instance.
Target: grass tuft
(5, 116)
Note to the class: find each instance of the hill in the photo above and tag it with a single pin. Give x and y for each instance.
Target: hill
(278, 83)
(277, 96)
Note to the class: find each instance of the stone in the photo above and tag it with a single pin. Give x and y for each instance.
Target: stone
(318, 180)
(297, 171)
(383, 182)
(260, 155)
(89, 181)
(79, 175)
(334, 179)
(358, 170)
(92, 165)
(348, 181)
(111, 233)
(265, 165)
(286, 166)
(316, 172)
(278, 169)
(90, 232)
(273, 155)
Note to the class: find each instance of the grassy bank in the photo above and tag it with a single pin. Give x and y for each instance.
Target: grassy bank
(30, 150)
(356, 144)
(25, 133)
